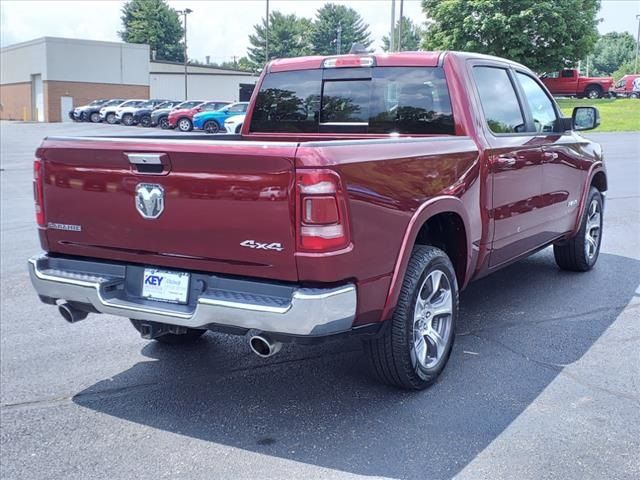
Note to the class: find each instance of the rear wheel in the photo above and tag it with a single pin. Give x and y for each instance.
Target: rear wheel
(593, 91)
(414, 350)
(111, 118)
(580, 253)
(185, 125)
(163, 122)
(95, 117)
(190, 335)
(127, 119)
(145, 121)
(211, 126)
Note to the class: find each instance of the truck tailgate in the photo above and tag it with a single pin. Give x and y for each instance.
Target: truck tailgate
(228, 206)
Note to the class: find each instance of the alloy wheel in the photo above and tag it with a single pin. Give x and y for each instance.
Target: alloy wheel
(432, 320)
(593, 228)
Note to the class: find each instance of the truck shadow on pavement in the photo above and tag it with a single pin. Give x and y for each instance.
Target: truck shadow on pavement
(320, 406)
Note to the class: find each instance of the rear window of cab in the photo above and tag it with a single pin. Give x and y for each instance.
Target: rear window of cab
(379, 100)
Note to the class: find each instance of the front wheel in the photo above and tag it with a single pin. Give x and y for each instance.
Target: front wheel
(211, 126)
(145, 121)
(111, 118)
(95, 117)
(190, 336)
(593, 92)
(185, 125)
(414, 350)
(164, 123)
(580, 253)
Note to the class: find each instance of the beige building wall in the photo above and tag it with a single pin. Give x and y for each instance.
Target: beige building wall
(15, 101)
(83, 93)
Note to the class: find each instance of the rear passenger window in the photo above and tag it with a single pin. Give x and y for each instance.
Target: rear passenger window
(499, 101)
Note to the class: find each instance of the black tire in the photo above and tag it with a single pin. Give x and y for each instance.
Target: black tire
(578, 254)
(393, 354)
(145, 121)
(191, 335)
(593, 91)
(111, 118)
(127, 119)
(634, 95)
(163, 123)
(211, 126)
(95, 117)
(184, 124)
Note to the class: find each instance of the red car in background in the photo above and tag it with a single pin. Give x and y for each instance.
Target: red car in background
(569, 82)
(183, 118)
(624, 87)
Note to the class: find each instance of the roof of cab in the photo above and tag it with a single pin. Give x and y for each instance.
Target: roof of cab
(400, 59)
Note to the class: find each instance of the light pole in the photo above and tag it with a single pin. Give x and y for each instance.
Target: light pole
(184, 13)
(266, 37)
(392, 36)
(399, 44)
(635, 68)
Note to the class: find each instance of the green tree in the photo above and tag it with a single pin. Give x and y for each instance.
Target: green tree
(611, 51)
(542, 34)
(411, 36)
(329, 17)
(153, 22)
(627, 68)
(289, 36)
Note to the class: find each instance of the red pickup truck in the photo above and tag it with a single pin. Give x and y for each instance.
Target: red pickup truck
(400, 179)
(569, 82)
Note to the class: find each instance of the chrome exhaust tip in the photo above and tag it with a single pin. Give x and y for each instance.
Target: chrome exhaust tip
(71, 314)
(263, 346)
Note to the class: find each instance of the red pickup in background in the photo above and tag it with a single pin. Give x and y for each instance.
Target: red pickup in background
(569, 82)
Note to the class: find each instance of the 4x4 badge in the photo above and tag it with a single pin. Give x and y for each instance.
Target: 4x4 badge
(262, 246)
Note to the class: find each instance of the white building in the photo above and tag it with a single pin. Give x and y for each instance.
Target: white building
(43, 79)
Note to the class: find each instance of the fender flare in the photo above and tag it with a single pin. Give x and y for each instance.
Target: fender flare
(432, 207)
(596, 168)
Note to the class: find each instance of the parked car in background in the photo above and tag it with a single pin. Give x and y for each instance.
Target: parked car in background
(160, 116)
(126, 109)
(126, 115)
(213, 121)
(142, 115)
(625, 87)
(183, 118)
(92, 112)
(83, 113)
(569, 82)
(108, 112)
(234, 124)
(364, 212)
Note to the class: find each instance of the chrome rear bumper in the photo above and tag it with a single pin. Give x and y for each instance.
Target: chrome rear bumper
(215, 301)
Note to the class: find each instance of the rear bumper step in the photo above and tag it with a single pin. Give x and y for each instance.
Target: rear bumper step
(111, 288)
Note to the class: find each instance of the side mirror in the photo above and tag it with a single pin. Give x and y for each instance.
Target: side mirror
(198, 109)
(585, 118)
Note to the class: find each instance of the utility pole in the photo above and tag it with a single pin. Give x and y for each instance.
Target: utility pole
(184, 13)
(635, 69)
(399, 44)
(339, 40)
(392, 36)
(266, 38)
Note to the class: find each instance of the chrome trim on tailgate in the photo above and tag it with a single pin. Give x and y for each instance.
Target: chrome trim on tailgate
(308, 311)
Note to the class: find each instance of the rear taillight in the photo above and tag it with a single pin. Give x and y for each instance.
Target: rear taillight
(321, 211)
(38, 191)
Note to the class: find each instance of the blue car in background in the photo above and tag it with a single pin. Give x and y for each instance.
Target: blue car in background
(213, 122)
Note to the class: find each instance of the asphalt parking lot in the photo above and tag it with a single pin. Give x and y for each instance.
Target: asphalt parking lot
(543, 382)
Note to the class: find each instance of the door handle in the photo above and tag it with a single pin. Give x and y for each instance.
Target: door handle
(550, 156)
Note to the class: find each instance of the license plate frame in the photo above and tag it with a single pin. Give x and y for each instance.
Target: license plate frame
(165, 286)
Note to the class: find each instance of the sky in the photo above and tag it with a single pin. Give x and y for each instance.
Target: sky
(220, 28)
